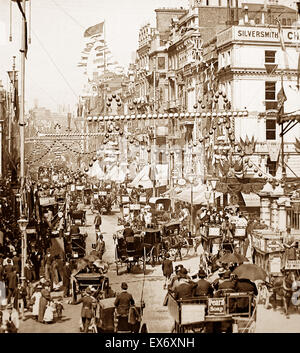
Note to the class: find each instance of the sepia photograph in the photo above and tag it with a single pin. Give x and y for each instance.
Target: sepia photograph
(149, 169)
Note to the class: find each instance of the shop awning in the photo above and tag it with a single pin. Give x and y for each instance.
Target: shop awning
(251, 200)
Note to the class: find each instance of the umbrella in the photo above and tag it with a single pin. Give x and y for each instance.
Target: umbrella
(91, 258)
(251, 272)
(234, 258)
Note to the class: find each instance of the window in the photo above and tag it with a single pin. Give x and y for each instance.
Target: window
(220, 3)
(270, 56)
(160, 158)
(272, 166)
(270, 89)
(257, 20)
(288, 22)
(284, 21)
(270, 129)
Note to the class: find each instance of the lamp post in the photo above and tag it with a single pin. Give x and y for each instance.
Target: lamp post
(23, 222)
(191, 180)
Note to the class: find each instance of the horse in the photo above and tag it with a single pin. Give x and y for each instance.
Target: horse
(283, 288)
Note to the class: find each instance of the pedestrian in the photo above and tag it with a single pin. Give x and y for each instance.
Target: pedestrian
(45, 299)
(59, 309)
(12, 283)
(100, 247)
(123, 301)
(87, 310)
(97, 222)
(36, 258)
(167, 269)
(35, 300)
(10, 319)
(20, 299)
(49, 312)
(66, 279)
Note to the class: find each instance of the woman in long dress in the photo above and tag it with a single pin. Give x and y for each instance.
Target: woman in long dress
(45, 299)
(36, 299)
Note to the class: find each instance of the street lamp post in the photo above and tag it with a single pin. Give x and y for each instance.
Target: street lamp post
(191, 180)
(23, 222)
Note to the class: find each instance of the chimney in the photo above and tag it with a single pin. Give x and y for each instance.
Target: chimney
(228, 22)
(298, 10)
(246, 14)
(236, 20)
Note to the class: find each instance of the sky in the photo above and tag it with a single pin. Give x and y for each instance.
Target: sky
(57, 27)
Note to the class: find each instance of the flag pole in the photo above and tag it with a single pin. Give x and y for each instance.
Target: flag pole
(282, 134)
(104, 53)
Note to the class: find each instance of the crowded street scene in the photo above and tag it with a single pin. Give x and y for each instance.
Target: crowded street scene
(149, 166)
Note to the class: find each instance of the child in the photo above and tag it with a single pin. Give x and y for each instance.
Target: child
(59, 309)
(49, 313)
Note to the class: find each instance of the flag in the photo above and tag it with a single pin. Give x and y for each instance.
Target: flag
(97, 29)
(281, 98)
(281, 36)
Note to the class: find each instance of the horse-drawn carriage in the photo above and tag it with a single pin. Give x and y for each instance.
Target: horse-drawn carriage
(177, 241)
(231, 312)
(153, 245)
(160, 208)
(77, 246)
(130, 251)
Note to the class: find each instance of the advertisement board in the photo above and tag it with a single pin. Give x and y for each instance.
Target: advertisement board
(216, 306)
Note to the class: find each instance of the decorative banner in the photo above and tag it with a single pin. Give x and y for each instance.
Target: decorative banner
(274, 149)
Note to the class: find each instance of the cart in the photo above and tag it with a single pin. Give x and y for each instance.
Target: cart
(109, 322)
(77, 246)
(153, 245)
(230, 313)
(159, 207)
(83, 279)
(130, 252)
(78, 217)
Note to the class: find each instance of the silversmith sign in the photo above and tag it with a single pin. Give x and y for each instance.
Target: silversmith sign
(257, 34)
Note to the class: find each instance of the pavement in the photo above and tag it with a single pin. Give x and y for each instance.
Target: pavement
(148, 288)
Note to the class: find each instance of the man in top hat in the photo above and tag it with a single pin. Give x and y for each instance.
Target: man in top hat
(87, 310)
(167, 268)
(204, 288)
(123, 301)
